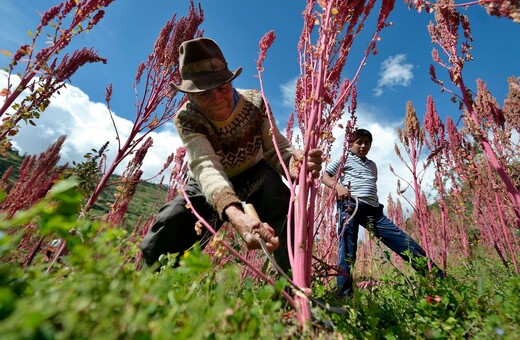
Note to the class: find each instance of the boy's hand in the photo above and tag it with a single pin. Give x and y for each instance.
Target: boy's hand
(342, 192)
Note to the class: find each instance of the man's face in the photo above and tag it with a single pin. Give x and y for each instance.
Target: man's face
(361, 146)
(215, 104)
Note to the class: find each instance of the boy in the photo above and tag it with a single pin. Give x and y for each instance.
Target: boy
(358, 178)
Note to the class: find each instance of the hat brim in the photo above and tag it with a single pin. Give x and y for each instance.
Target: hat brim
(206, 82)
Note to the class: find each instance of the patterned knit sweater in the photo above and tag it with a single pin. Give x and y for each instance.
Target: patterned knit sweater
(218, 150)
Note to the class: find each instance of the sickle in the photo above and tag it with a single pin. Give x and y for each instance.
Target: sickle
(250, 210)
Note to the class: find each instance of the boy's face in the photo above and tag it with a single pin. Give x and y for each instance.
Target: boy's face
(361, 146)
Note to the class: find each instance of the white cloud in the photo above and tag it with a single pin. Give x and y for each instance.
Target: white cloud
(288, 90)
(394, 72)
(382, 151)
(383, 132)
(88, 126)
(385, 138)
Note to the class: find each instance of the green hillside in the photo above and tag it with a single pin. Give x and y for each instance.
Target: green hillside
(146, 201)
(11, 158)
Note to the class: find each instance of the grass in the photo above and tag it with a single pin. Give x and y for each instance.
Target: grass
(88, 298)
(94, 292)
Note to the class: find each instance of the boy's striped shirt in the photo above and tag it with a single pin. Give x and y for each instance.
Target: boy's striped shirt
(359, 176)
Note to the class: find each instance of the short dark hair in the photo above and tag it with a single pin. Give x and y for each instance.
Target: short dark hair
(360, 133)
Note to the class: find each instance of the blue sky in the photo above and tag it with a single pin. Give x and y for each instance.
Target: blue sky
(397, 74)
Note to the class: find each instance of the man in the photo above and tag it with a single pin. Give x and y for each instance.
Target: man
(231, 159)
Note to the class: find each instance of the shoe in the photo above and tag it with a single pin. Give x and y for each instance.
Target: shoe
(326, 324)
(345, 294)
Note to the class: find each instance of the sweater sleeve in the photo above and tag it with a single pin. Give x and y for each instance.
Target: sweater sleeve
(204, 164)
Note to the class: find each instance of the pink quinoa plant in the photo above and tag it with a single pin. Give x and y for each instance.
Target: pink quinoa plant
(322, 93)
(36, 176)
(445, 34)
(157, 104)
(44, 74)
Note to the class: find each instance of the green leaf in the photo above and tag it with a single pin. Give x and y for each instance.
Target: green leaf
(63, 186)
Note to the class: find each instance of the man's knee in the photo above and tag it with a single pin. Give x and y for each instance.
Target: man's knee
(172, 232)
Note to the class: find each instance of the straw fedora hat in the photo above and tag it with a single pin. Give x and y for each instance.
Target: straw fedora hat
(203, 66)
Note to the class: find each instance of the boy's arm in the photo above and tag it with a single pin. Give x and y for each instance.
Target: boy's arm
(331, 182)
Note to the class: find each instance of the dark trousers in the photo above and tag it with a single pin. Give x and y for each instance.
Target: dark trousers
(384, 229)
(174, 227)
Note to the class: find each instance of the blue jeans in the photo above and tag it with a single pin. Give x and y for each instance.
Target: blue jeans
(373, 219)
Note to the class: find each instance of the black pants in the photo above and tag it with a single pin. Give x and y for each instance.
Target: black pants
(174, 227)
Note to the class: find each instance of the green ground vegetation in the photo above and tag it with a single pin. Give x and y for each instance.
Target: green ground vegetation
(95, 292)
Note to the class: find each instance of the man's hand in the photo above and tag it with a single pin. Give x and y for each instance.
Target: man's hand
(314, 161)
(251, 229)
